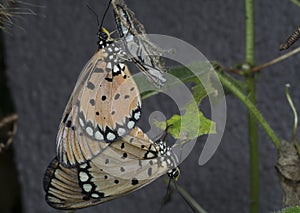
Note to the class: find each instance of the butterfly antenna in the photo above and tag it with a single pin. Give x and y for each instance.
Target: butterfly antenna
(93, 11)
(105, 14)
(166, 197)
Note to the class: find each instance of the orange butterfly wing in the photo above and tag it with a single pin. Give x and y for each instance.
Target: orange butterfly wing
(104, 106)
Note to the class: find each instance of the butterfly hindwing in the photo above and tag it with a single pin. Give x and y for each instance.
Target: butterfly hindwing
(124, 166)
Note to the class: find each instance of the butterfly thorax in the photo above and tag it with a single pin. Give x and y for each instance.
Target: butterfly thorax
(162, 147)
(167, 157)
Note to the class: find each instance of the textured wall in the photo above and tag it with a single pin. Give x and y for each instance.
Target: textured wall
(45, 58)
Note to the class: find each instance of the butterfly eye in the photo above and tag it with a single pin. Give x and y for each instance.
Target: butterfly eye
(103, 35)
(174, 173)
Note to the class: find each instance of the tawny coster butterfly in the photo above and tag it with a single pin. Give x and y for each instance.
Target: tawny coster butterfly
(104, 105)
(124, 166)
(144, 54)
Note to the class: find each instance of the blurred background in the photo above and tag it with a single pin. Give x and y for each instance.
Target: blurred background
(43, 54)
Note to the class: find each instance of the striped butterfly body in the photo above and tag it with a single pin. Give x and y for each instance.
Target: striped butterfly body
(173, 173)
(124, 166)
(104, 105)
(143, 53)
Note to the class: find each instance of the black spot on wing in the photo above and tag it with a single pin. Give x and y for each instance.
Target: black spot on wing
(122, 146)
(99, 70)
(92, 102)
(117, 96)
(69, 123)
(90, 85)
(150, 172)
(65, 118)
(108, 79)
(124, 155)
(134, 181)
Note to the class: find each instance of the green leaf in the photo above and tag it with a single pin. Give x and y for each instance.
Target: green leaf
(186, 127)
(192, 123)
(294, 209)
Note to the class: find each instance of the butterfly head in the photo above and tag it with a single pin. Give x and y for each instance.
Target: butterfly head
(174, 173)
(104, 37)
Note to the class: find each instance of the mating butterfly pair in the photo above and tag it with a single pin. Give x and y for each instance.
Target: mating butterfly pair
(101, 154)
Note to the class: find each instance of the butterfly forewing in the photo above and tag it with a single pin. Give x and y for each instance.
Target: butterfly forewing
(104, 106)
(124, 166)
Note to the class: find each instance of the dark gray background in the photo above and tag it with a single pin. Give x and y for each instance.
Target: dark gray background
(44, 60)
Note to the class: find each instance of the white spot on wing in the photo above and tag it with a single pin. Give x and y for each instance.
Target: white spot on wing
(108, 66)
(94, 195)
(121, 131)
(150, 155)
(116, 69)
(89, 130)
(137, 115)
(121, 66)
(81, 122)
(110, 136)
(99, 135)
(87, 187)
(130, 124)
(83, 176)
(83, 166)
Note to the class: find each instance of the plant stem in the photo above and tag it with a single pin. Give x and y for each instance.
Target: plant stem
(252, 124)
(253, 148)
(249, 33)
(296, 2)
(186, 196)
(251, 107)
(275, 60)
(294, 134)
